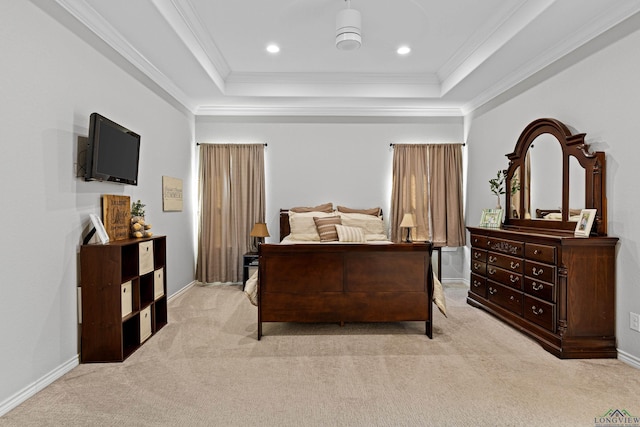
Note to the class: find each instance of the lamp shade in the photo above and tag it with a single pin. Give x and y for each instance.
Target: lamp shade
(408, 221)
(259, 230)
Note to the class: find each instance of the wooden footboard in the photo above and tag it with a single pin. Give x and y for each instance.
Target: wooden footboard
(345, 283)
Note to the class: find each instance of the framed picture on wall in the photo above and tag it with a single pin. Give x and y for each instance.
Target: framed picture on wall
(585, 222)
(491, 218)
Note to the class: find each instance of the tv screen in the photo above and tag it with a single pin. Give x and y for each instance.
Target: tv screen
(112, 152)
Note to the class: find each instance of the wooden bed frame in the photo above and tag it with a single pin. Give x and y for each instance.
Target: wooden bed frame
(345, 283)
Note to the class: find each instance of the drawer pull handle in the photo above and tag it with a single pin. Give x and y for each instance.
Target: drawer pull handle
(476, 266)
(537, 311)
(512, 298)
(536, 252)
(492, 270)
(488, 242)
(515, 265)
(476, 283)
(492, 258)
(492, 291)
(513, 278)
(476, 255)
(537, 272)
(537, 286)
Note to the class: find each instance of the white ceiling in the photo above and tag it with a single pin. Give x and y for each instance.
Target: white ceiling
(210, 54)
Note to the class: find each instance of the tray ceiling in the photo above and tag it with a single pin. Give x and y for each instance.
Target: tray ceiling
(210, 55)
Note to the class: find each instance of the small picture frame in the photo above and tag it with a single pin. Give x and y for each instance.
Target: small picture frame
(585, 222)
(491, 218)
(100, 231)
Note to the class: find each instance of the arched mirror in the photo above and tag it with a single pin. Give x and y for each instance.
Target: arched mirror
(552, 177)
(544, 163)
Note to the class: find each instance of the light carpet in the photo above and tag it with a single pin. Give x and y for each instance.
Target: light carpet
(206, 368)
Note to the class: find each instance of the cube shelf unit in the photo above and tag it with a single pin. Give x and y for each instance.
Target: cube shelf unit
(124, 296)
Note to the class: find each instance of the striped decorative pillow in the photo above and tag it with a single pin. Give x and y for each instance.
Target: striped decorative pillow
(350, 234)
(327, 228)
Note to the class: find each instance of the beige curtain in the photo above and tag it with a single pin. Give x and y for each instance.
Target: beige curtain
(427, 182)
(231, 200)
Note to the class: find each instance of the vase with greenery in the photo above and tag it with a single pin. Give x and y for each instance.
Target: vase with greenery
(137, 209)
(497, 186)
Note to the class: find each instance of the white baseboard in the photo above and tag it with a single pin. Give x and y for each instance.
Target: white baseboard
(629, 359)
(182, 291)
(38, 385)
(455, 280)
(30, 390)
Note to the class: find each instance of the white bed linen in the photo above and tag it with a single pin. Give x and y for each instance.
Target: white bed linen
(289, 241)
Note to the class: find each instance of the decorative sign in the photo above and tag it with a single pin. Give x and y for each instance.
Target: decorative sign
(116, 215)
(171, 194)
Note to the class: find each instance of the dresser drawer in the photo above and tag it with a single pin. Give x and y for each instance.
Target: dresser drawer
(539, 289)
(479, 267)
(542, 253)
(507, 262)
(478, 241)
(509, 247)
(478, 255)
(539, 312)
(478, 285)
(505, 297)
(505, 277)
(544, 272)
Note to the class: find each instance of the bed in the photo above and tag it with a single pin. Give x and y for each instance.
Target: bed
(304, 279)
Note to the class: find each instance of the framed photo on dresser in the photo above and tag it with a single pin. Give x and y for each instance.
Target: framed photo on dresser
(585, 222)
(491, 218)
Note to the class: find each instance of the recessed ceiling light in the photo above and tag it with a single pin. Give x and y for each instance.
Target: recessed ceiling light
(273, 48)
(403, 50)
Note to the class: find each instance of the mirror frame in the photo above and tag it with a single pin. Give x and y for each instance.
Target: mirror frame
(572, 145)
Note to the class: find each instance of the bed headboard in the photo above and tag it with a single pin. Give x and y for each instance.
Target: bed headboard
(284, 223)
(285, 229)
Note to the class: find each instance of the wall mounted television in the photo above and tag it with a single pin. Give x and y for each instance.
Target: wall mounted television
(113, 152)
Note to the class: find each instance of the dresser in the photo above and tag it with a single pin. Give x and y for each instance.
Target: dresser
(558, 289)
(549, 269)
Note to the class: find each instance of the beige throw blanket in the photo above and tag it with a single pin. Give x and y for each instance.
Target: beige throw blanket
(251, 290)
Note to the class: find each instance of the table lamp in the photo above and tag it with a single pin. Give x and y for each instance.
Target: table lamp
(408, 222)
(260, 231)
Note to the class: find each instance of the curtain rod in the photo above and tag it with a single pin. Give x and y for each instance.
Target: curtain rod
(431, 143)
(197, 143)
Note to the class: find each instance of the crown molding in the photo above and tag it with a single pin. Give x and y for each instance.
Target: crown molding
(492, 39)
(322, 85)
(603, 24)
(336, 110)
(182, 18)
(90, 18)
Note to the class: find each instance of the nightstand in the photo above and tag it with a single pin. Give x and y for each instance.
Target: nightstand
(249, 265)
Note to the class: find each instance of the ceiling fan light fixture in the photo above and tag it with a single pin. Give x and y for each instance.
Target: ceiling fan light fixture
(348, 29)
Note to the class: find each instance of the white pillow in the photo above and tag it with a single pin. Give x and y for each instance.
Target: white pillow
(303, 227)
(350, 234)
(369, 223)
